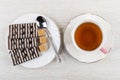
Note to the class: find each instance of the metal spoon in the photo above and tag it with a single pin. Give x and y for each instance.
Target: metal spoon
(42, 23)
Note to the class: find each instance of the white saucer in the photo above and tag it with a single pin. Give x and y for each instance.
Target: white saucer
(49, 55)
(80, 54)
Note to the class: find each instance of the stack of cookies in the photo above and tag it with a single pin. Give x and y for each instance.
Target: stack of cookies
(26, 42)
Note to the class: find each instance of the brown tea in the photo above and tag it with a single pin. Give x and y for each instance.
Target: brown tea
(88, 36)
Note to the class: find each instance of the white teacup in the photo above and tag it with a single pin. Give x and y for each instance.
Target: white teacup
(84, 55)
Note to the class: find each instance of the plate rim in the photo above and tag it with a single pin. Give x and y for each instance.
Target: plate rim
(68, 30)
(14, 22)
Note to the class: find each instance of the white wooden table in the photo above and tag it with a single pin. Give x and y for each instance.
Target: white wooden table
(61, 11)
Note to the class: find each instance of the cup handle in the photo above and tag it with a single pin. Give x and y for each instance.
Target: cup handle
(104, 50)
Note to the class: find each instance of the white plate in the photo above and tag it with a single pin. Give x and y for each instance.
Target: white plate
(49, 55)
(87, 56)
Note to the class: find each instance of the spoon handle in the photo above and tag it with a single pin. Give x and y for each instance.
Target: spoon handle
(53, 45)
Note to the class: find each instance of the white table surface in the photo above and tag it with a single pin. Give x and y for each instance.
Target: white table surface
(61, 11)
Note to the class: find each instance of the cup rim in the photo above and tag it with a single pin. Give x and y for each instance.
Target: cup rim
(100, 22)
